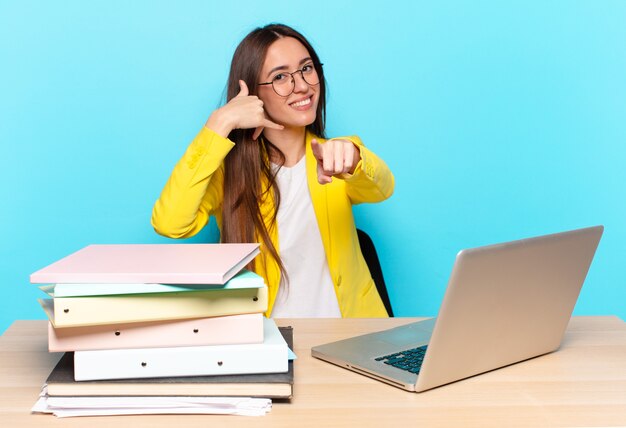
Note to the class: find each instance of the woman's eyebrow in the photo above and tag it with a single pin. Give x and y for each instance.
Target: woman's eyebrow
(284, 67)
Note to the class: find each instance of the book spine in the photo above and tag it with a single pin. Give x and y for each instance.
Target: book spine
(98, 310)
(225, 330)
(271, 356)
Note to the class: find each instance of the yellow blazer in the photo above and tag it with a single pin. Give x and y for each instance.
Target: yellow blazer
(195, 190)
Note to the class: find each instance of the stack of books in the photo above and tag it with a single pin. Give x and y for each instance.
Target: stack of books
(163, 320)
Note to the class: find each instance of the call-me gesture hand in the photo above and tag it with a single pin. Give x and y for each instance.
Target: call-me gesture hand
(335, 158)
(242, 112)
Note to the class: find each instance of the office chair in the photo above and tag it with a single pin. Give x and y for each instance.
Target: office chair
(371, 258)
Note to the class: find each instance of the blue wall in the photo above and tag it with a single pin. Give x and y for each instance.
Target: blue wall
(500, 121)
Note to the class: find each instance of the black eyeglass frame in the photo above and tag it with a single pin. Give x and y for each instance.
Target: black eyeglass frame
(293, 80)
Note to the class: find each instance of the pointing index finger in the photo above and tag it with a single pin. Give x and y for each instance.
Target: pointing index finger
(317, 149)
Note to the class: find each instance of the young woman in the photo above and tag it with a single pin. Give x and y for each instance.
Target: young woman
(263, 167)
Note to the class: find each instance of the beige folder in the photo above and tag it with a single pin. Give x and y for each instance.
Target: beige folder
(96, 310)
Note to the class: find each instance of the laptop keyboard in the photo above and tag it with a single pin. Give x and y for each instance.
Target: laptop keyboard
(409, 360)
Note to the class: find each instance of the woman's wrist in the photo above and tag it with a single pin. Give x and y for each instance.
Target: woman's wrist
(219, 124)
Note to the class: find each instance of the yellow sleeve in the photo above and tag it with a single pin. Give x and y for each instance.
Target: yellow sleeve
(195, 189)
(372, 180)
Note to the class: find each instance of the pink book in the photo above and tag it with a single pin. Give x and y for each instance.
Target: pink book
(150, 263)
(226, 330)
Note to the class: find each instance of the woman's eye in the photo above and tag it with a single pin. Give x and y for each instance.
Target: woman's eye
(279, 78)
(307, 68)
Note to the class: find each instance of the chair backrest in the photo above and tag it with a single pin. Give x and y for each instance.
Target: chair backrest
(373, 263)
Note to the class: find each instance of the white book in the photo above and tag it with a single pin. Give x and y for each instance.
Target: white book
(271, 356)
(244, 279)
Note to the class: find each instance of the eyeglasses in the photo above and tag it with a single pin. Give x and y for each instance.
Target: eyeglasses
(284, 83)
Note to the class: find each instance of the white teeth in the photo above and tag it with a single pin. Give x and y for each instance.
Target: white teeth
(302, 103)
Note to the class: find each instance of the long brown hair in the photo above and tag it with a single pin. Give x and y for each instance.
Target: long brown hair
(248, 175)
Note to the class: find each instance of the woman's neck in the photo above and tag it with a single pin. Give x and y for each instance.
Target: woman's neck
(290, 141)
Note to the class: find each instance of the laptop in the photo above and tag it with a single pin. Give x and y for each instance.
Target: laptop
(504, 303)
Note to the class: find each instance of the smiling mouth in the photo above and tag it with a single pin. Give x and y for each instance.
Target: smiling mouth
(301, 103)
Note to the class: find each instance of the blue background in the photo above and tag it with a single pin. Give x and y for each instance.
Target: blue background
(500, 120)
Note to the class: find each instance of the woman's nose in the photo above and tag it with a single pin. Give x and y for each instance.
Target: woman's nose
(299, 84)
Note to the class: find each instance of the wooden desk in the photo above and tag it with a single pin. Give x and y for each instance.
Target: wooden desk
(583, 384)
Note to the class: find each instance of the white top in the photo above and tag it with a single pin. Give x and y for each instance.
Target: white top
(310, 291)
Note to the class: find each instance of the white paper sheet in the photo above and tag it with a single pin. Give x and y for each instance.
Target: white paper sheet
(107, 406)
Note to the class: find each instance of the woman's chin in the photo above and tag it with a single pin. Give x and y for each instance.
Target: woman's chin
(299, 121)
